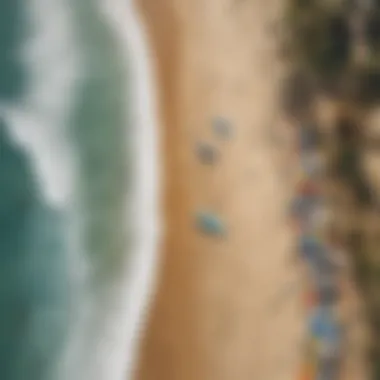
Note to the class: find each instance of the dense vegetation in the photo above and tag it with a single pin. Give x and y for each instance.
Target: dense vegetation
(322, 38)
(322, 41)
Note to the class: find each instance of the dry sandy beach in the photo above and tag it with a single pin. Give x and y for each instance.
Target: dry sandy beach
(225, 308)
(216, 314)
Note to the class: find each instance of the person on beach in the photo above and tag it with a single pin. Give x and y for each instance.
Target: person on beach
(311, 249)
(330, 352)
(305, 206)
(302, 208)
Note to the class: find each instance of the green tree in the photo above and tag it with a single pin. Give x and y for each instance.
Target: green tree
(323, 37)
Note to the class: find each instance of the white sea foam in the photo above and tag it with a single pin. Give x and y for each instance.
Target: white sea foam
(128, 321)
(114, 356)
(37, 120)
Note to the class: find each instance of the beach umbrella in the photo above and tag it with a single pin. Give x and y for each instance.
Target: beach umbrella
(210, 223)
(304, 206)
(310, 247)
(317, 254)
(312, 164)
(324, 326)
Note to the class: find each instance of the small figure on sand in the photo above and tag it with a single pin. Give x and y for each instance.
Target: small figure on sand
(210, 224)
(207, 154)
(222, 128)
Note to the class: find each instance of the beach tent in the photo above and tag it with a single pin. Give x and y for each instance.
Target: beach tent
(325, 327)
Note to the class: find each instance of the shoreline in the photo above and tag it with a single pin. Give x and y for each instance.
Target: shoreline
(117, 309)
(147, 170)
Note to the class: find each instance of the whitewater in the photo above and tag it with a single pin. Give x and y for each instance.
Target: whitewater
(87, 121)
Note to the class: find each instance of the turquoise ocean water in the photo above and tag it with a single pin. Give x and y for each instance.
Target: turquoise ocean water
(65, 172)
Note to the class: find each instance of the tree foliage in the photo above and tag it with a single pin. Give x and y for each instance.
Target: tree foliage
(321, 41)
(319, 38)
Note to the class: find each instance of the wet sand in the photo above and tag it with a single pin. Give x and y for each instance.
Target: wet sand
(221, 310)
